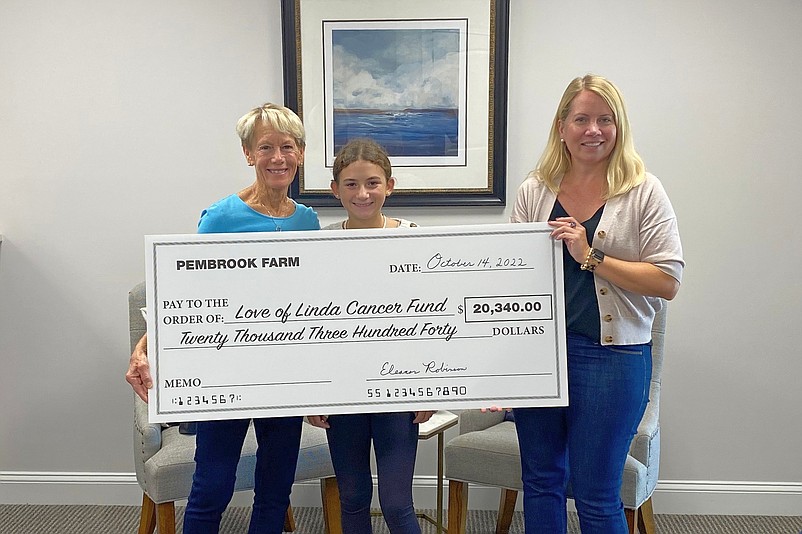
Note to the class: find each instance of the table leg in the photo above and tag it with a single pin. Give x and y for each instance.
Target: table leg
(440, 440)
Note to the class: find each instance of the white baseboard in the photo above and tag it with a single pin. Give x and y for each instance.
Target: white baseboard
(670, 497)
(43, 487)
(727, 497)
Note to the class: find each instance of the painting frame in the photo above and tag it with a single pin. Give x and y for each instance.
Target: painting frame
(481, 180)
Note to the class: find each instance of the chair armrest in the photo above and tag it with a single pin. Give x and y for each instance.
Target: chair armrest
(646, 438)
(147, 436)
(473, 420)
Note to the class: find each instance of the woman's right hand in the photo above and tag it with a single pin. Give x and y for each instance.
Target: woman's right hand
(320, 421)
(138, 374)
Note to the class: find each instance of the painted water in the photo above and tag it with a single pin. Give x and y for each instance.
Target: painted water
(403, 132)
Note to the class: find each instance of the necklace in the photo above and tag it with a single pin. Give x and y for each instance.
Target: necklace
(277, 215)
(384, 222)
(278, 211)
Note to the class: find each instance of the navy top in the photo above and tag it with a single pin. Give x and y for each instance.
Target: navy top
(581, 304)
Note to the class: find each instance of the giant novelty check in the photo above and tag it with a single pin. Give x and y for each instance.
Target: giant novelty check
(351, 321)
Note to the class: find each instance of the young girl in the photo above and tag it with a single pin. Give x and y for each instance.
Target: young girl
(362, 181)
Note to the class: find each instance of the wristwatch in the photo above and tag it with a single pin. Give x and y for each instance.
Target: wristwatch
(592, 260)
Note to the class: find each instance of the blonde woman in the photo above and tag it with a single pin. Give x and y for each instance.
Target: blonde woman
(621, 255)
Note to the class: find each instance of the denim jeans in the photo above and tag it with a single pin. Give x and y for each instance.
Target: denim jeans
(608, 389)
(395, 443)
(217, 452)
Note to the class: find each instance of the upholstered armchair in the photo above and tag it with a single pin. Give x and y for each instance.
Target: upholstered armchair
(486, 452)
(164, 458)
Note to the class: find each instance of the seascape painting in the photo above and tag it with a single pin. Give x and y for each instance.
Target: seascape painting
(401, 83)
(426, 80)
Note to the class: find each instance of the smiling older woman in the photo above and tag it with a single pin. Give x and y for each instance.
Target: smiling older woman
(273, 141)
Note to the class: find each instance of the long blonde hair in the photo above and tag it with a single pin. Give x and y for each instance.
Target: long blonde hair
(625, 168)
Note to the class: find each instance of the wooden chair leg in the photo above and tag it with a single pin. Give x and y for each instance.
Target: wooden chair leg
(147, 518)
(165, 517)
(646, 523)
(457, 506)
(330, 495)
(289, 520)
(506, 508)
(630, 515)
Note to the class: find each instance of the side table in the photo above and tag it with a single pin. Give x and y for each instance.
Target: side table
(436, 426)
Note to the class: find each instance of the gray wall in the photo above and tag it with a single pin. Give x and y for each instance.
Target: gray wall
(117, 121)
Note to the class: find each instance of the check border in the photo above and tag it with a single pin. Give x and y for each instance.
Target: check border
(156, 245)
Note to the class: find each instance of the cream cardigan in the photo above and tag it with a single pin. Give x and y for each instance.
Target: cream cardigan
(637, 226)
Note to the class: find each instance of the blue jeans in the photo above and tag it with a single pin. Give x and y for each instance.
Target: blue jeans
(395, 442)
(608, 389)
(217, 452)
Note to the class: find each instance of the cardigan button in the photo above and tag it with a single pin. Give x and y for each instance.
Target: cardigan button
(608, 339)
(603, 291)
(608, 318)
(602, 234)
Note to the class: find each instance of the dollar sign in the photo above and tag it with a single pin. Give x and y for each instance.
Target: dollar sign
(460, 309)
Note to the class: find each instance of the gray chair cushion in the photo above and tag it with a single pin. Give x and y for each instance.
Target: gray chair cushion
(167, 475)
(489, 457)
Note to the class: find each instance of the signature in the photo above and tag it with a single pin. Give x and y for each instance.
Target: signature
(432, 367)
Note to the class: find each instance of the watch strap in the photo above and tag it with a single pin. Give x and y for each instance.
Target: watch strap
(592, 260)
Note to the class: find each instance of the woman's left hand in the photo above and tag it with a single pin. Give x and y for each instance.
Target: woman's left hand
(570, 232)
(636, 276)
(422, 417)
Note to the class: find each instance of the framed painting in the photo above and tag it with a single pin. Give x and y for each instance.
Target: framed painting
(426, 80)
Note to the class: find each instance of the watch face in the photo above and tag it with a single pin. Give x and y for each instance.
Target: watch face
(598, 255)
